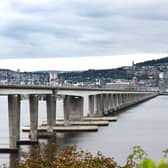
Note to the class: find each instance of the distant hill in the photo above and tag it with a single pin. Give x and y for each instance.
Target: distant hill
(153, 62)
(90, 75)
(114, 73)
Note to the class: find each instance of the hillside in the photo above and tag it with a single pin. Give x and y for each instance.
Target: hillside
(154, 62)
(90, 75)
(119, 73)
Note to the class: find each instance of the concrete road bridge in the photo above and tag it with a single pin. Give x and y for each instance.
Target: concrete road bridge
(77, 103)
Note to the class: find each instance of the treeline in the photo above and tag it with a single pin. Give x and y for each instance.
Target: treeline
(153, 62)
(118, 73)
(90, 75)
(45, 156)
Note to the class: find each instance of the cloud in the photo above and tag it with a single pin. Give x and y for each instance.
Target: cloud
(62, 28)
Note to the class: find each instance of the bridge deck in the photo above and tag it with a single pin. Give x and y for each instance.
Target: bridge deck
(34, 89)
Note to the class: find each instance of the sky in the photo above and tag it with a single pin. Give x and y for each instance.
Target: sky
(81, 34)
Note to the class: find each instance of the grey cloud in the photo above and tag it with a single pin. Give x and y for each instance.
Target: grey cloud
(82, 28)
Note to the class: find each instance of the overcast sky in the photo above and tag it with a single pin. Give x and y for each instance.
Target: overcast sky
(107, 30)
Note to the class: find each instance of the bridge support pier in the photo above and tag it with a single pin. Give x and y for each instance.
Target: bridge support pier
(122, 105)
(73, 108)
(106, 102)
(33, 102)
(14, 120)
(51, 112)
(131, 99)
(86, 105)
(120, 101)
(95, 105)
(99, 103)
(110, 103)
(127, 99)
(124, 101)
(113, 102)
(91, 105)
(117, 96)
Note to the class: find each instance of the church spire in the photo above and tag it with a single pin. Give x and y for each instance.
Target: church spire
(133, 63)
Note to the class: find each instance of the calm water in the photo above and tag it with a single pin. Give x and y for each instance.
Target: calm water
(145, 125)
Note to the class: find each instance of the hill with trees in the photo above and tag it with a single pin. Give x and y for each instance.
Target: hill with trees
(141, 70)
(154, 62)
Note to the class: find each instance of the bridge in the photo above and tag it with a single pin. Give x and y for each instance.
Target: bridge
(77, 103)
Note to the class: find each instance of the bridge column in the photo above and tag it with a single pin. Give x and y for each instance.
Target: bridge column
(51, 112)
(138, 97)
(102, 103)
(73, 108)
(66, 104)
(91, 105)
(135, 98)
(14, 120)
(99, 105)
(106, 102)
(131, 98)
(141, 96)
(121, 101)
(110, 102)
(115, 101)
(95, 104)
(33, 102)
(86, 105)
(127, 100)
(124, 100)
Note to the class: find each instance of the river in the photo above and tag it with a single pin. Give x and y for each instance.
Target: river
(145, 124)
